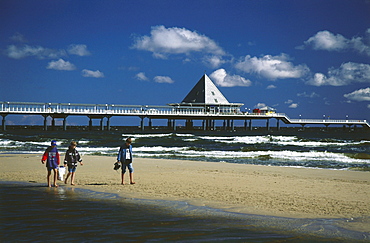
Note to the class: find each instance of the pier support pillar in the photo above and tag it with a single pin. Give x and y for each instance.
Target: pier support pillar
(45, 123)
(65, 124)
(278, 124)
(101, 124)
(189, 124)
(224, 125)
(108, 123)
(150, 123)
(174, 124)
(232, 125)
(169, 124)
(204, 125)
(90, 124)
(53, 124)
(3, 125)
(142, 123)
(268, 124)
(250, 125)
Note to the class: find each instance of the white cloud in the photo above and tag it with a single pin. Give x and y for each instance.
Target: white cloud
(271, 86)
(16, 52)
(92, 74)
(163, 41)
(213, 61)
(78, 49)
(288, 102)
(291, 104)
(347, 73)
(325, 40)
(225, 80)
(359, 95)
(163, 79)
(18, 37)
(272, 67)
(260, 105)
(368, 106)
(305, 94)
(141, 76)
(61, 65)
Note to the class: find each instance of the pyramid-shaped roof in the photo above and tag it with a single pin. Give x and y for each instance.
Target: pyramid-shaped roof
(206, 92)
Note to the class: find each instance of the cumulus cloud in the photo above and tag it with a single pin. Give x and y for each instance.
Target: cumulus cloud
(359, 95)
(271, 86)
(17, 52)
(291, 104)
(61, 65)
(308, 95)
(92, 74)
(272, 67)
(78, 49)
(325, 40)
(141, 76)
(163, 41)
(163, 79)
(213, 61)
(225, 80)
(347, 73)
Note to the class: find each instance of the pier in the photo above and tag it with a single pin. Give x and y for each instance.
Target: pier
(104, 112)
(204, 102)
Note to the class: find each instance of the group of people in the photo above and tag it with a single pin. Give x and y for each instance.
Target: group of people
(51, 158)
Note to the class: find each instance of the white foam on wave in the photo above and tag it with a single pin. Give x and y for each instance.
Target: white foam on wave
(279, 140)
(284, 155)
(6, 142)
(146, 135)
(159, 149)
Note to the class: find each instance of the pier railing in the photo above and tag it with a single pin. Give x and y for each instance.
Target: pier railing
(107, 110)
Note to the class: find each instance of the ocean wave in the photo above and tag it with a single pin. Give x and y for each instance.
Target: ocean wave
(282, 140)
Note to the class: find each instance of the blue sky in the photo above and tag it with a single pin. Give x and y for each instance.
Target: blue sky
(308, 58)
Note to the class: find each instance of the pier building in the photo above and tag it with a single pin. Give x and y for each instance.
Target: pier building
(204, 103)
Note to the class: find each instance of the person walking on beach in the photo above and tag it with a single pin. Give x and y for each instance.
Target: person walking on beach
(71, 159)
(52, 159)
(125, 158)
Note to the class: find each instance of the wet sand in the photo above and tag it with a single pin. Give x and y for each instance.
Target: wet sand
(251, 189)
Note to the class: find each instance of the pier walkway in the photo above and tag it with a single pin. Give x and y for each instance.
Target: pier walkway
(171, 113)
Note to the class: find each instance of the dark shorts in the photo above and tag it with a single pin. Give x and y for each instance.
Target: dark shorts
(127, 164)
(51, 168)
(72, 169)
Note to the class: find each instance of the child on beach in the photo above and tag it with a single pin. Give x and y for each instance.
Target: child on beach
(71, 158)
(51, 156)
(125, 158)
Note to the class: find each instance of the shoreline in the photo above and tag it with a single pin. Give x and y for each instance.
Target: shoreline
(239, 188)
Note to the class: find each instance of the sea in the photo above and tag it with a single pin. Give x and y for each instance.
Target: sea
(30, 212)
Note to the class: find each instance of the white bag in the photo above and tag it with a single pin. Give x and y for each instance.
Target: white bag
(61, 172)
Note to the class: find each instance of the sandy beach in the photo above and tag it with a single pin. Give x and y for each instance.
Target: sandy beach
(252, 189)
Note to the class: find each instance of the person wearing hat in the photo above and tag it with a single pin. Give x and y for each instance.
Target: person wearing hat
(52, 159)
